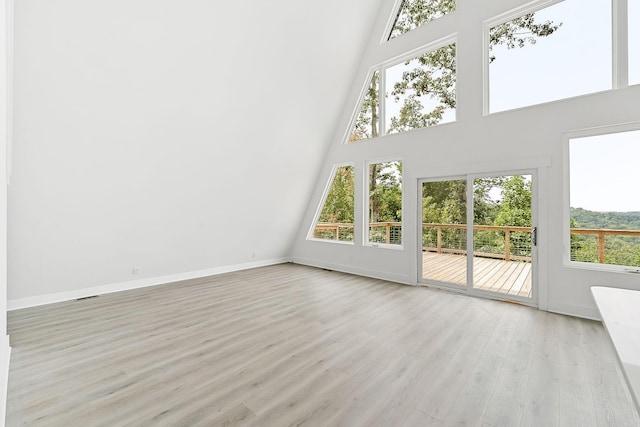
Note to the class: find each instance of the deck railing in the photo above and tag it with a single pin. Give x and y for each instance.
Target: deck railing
(601, 233)
(451, 238)
(380, 232)
(385, 232)
(490, 241)
(333, 231)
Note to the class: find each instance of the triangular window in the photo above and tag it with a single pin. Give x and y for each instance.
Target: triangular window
(368, 119)
(336, 218)
(413, 13)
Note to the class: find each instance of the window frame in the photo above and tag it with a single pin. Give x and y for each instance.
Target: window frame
(393, 19)
(566, 195)
(624, 35)
(381, 69)
(486, 29)
(619, 50)
(366, 241)
(358, 108)
(323, 199)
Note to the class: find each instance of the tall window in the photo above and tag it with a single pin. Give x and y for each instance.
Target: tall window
(336, 218)
(414, 13)
(558, 52)
(385, 203)
(604, 199)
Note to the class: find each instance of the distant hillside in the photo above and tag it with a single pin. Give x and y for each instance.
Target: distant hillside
(611, 220)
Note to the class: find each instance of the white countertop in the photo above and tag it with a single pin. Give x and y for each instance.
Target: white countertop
(620, 311)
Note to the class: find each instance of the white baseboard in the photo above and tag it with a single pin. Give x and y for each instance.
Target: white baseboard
(575, 311)
(382, 275)
(566, 309)
(5, 358)
(16, 304)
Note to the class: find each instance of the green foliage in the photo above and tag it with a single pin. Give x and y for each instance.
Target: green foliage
(385, 192)
(515, 207)
(434, 78)
(444, 202)
(520, 32)
(583, 218)
(366, 125)
(414, 13)
(428, 89)
(619, 250)
(339, 207)
(385, 195)
(485, 208)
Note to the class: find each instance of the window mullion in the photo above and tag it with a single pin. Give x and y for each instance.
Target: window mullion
(382, 90)
(620, 40)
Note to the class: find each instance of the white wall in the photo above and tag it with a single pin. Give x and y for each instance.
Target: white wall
(530, 137)
(174, 136)
(5, 350)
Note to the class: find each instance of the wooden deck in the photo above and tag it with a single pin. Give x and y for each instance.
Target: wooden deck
(496, 275)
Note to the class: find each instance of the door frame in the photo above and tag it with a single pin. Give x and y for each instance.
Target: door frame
(537, 179)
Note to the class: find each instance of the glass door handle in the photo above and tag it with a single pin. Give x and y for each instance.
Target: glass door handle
(534, 236)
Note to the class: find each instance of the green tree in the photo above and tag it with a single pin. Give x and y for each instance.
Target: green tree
(433, 77)
(485, 208)
(338, 206)
(619, 249)
(385, 192)
(413, 13)
(433, 74)
(444, 202)
(366, 125)
(515, 207)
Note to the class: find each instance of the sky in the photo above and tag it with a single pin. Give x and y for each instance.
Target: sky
(575, 60)
(604, 175)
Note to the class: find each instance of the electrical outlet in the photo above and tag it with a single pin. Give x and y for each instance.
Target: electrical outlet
(136, 270)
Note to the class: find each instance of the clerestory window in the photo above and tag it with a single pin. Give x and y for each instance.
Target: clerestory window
(561, 51)
(568, 49)
(418, 92)
(414, 13)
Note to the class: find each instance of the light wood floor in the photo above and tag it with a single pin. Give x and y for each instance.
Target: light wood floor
(496, 275)
(292, 345)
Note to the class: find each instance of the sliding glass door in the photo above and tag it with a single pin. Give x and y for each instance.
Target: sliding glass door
(444, 232)
(478, 234)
